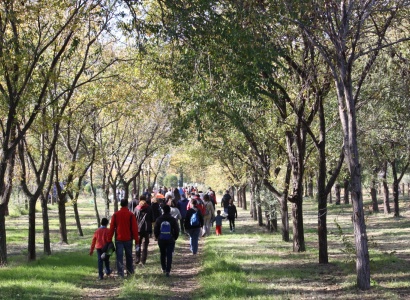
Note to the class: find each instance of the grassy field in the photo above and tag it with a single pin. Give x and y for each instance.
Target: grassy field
(248, 264)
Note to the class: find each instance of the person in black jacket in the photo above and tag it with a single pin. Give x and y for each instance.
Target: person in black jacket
(225, 201)
(143, 213)
(166, 231)
(194, 229)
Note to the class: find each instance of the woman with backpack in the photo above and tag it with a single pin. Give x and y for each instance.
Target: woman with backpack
(193, 224)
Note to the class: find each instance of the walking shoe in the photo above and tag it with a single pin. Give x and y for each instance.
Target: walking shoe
(167, 274)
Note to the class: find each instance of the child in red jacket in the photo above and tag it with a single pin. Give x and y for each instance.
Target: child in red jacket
(100, 242)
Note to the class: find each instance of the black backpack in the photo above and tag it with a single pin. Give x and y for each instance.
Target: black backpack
(142, 223)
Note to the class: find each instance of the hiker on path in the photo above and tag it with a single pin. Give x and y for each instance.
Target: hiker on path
(99, 241)
(209, 215)
(218, 222)
(225, 201)
(232, 215)
(166, 231)
(124, 225)
(182, 206)
(175, 211)
(193, 224)
(143, 213)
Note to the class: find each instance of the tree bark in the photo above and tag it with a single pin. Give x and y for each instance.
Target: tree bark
(346, 191)
(3, 244)
(298, 235)
(396, 184)
(32, 229)
(373, 194)
(337, 193)
(62, 221)
(310, 187)
(244, 203)
(94, 194)
(77, 218)
(46, 228)
(386, 202)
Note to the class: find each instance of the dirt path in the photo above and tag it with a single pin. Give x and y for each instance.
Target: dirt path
(182, 282)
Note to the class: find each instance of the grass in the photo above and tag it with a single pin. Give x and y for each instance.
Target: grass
(248, 264)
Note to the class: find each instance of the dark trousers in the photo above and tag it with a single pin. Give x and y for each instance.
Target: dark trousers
(166, 248)
(101, 264)
(232, 223)
(143, 250)
(182, 225)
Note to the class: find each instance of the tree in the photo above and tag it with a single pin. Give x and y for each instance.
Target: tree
(345, 32)
(35, 38)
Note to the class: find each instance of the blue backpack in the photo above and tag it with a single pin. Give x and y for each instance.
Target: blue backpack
(165, 231)
(194, 219)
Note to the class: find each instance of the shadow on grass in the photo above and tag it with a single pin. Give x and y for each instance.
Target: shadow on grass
(52, 277)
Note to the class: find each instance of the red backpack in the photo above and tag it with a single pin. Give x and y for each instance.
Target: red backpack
(201, 206)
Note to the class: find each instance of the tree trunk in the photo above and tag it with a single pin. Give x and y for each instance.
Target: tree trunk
(337, 193)
(32, 229)
(258, 205)
(232, 193)
(3, 245)
(46, 228)
(298, 232)
(322, 203)
(62, 220)
(77, 218)
(310, 187)
(386, 202)
(346, 191)
(395, 188)
(244, 204)
(347, 114)
(408, 190)
(306, 188)
(94, 194)
(373, 194)
(331, 195)
(396, 184)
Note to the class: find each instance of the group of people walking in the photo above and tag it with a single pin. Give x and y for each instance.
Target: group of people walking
(158, 217)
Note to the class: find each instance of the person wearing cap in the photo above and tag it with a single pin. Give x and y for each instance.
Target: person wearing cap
(192, 229)
(124, 225)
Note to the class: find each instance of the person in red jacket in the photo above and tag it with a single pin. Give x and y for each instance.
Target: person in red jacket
(124, 225)
(100, 240)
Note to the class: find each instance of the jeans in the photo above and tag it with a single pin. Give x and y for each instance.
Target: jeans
(122, 246)
(194, 237)
(166, 248)
(100, 264)
(143, 250)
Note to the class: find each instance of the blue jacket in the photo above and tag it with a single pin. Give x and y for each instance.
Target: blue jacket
(182, 206)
